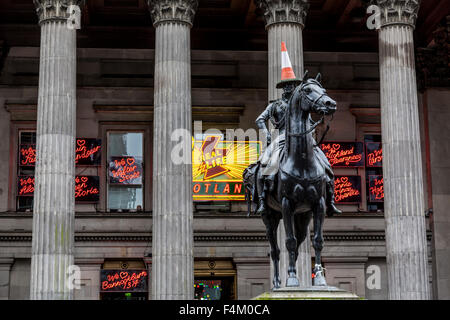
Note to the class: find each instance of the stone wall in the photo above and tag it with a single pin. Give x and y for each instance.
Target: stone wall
(438, 103)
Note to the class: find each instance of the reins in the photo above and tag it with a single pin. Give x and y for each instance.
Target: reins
(313, 127)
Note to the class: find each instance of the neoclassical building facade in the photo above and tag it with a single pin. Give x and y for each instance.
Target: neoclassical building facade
(93, 206)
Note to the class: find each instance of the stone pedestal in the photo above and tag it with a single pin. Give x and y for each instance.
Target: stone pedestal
(308, 293)
(285, 21)
(54, 195)
(5, 272)
(406, 243)
(172, 258)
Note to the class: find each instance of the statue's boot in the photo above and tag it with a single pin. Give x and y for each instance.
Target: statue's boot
(332, 210)
(331, 207)
(261, 196)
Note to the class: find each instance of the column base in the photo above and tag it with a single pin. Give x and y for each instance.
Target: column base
(308, 293)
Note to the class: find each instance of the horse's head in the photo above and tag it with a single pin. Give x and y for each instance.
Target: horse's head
(315, 98)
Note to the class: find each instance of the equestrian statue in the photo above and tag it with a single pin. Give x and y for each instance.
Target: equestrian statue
(293, 179)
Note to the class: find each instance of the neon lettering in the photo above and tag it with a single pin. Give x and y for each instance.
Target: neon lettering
(374, 157)
(82, 152)
(344, 189)
(336, 155)
(125, 169)
(26, 186)
(124, 280)
(376, 189)
(82, 189)
(28, 156)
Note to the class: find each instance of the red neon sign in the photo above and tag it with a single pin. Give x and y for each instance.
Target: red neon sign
(374, 154)
(344, 154)
(27, 155)
(376, 188)
(123, 280)
(86, 151)
(26, 186)
(86, 188)
(125, 170)
(347, 189)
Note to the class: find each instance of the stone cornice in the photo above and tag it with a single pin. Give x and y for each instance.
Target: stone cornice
(172, 11)
(51, 10)
(283, 11)
(394, 12)
(207, 238)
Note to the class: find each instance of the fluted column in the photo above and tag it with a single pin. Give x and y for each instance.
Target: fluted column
(285, 20)
(172, 259)
(406, 243)
(54, 195)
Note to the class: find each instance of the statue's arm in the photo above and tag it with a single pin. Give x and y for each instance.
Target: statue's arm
(261, 122)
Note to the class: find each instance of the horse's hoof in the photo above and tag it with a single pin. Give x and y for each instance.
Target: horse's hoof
(319, 279)
(292, 282)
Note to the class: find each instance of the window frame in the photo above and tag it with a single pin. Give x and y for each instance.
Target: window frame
(16, 128)
(364, 129)
(125, 127)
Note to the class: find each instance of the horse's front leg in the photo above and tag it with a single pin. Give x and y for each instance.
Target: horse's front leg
(319, 214)
(291, 243)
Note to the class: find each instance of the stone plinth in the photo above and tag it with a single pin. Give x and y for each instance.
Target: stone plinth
(308, 293)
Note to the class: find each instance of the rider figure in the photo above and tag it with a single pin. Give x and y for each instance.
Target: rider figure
(275, 112)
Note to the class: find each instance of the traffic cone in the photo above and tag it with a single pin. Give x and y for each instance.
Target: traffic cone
(287, 73)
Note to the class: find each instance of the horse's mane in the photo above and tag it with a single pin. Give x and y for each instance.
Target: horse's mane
(287, 115)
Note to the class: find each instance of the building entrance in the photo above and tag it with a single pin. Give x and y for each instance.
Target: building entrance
(124, 280)
(215, 280)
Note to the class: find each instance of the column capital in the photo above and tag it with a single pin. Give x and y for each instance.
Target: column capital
(51, 10)
(397, 11)
(284, 11)
(170, 10)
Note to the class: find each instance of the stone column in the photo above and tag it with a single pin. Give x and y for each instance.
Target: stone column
(54, 195)
(406, 243)
(285, 20)
(172, 259)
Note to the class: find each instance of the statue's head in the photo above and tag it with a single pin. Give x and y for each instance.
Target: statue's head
(288, 89)
(315, 97)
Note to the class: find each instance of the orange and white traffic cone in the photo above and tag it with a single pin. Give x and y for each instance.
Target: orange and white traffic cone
(287, 73)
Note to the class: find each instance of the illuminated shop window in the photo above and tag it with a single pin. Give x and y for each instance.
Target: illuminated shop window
(374, 173)
(217, 168)
(25, 170)
(125, 171)
(207, 289)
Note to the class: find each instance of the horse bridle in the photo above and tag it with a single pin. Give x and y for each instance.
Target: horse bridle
(313, 127)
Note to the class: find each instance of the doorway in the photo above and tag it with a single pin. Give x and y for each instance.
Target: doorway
(215, 280)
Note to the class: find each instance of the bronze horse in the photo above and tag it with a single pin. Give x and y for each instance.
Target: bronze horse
(299, 192)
